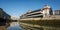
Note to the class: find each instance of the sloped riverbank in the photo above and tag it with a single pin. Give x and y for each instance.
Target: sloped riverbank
(44, 24)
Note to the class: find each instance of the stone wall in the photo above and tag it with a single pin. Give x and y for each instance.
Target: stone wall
(51, 17)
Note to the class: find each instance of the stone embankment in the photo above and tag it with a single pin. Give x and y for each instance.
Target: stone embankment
(45, 23)
(27, 26)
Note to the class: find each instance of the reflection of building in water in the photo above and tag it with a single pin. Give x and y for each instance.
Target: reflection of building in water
(14, 23)
(45, 11)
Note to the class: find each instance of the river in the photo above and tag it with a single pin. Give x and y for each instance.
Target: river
(14, 26)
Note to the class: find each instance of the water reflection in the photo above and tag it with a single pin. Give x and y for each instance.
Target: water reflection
(14, 26)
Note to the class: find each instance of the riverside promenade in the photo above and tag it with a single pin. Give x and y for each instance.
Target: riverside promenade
(2, 27)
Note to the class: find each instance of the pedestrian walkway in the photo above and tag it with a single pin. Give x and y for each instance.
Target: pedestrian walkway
(2, 27)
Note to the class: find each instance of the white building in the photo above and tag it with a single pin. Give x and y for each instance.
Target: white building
(47, 11)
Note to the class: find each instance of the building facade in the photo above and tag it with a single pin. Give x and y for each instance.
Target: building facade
(56, 12)
(4, 15)
(46, 11)
(33, 14)
(4, 18)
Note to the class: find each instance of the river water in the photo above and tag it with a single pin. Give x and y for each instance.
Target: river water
(14, 26)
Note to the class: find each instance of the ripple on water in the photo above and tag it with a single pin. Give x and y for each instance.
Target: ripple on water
(15, 27)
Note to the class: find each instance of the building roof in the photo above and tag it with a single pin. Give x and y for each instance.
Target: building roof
(34, 11)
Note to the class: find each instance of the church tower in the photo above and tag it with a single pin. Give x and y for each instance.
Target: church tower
(47, 11)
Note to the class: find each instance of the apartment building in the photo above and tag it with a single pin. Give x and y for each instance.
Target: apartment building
(3, 14)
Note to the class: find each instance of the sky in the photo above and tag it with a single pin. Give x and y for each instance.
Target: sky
(18, 7)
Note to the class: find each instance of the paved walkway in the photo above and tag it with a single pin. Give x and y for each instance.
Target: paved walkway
(2, 27)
